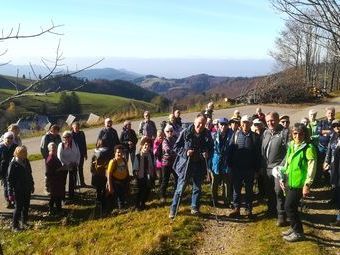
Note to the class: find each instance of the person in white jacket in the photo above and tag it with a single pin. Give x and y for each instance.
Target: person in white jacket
(69, 155)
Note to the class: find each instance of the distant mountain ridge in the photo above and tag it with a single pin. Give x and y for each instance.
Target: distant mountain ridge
(90, 74)
(197, 84)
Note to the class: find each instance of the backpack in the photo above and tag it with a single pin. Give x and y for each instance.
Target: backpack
(99, 165)
(159, 152)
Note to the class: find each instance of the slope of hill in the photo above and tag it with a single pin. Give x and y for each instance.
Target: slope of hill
(181, 89)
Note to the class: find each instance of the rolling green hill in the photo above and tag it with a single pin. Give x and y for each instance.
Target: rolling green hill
(97, 103)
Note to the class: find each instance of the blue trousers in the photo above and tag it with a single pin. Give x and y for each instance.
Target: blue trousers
(196, 175)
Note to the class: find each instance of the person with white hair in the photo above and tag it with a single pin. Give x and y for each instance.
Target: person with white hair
(109, 135)
(128, 138)
(168, 158)
(69, 156)
(7, 148)
(15, 129)
(313, 127)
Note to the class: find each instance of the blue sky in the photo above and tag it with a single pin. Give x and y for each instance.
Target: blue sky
(143, 29)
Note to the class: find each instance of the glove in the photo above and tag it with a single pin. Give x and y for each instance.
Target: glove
(11, 198)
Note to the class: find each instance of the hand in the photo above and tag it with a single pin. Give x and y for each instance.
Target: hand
(305, 191)
(326, 166)
(190, 152)
(205, 155)
(282, 185)
(208, 177)
(11, 198)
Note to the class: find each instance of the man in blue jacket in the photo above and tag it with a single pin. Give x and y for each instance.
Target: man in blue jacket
(192, 147)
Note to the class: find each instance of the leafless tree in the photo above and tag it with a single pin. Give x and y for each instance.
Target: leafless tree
(52, 65)
(323, 14)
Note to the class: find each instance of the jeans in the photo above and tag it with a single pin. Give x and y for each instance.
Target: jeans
(22, 204)
(144, 188)
(131, 154)
(293, 197)
(166, 172)
(72, 179)
(195, 174)
(238, 178)
(120, 191)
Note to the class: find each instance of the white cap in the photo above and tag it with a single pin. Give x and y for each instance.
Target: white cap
(257, 122)
(8, 134)
(246, 118)
(312, 112)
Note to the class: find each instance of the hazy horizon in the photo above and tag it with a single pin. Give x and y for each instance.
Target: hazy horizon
(162, 67)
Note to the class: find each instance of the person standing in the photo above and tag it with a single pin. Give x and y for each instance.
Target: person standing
(147, 127)
(69, 156)
(7, 148)
(325, 131)
(109, 135)
(332, 164)
(220, 171)
(56, 175)
(273, 150)
(178, 119)
(52, 136)
(299, 170)
(128, 139)
(168, 158)
(79, 138)
(193, 148)
(313, 127)
(284, 121)
(15, 129)
(20, 187)
(244, 161)
(144, 171)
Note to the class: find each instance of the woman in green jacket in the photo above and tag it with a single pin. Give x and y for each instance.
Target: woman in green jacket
(300, 167)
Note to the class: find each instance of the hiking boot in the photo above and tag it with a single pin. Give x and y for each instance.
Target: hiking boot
(16, 229)
(10, 205)
(287, 232)
(249, 214)
(171, 215)
(235, 213)
(294, 237)
(335, 224)
(282, 222)
(194, 211)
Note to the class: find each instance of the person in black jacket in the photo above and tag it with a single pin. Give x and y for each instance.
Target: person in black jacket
(128, 139)
(6, 154)
(80, 139)
(109, 135)
(20, 186)
(244, 161)
(52, 136)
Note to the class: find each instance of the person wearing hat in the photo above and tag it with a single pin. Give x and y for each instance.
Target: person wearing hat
(259, 115)
(244, 160)
(284, 121)
(69, 156)
(332, 165)
(259, 127)
(109, 135)
(325, 131)
(219, 170)
(236, 115)
(7, 148)
(273, 151)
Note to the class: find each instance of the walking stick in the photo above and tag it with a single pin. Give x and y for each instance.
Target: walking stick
(183, 188)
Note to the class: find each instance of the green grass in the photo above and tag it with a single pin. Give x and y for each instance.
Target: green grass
(146, 232)
(97, 103)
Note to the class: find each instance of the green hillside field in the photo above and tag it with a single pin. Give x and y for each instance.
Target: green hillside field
(96, 103)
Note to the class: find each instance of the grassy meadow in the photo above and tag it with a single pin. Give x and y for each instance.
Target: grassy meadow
(97, 103)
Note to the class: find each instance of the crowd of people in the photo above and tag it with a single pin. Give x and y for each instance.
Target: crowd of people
(284, 161)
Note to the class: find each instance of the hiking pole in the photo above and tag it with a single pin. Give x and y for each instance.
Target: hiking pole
(183, 188)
